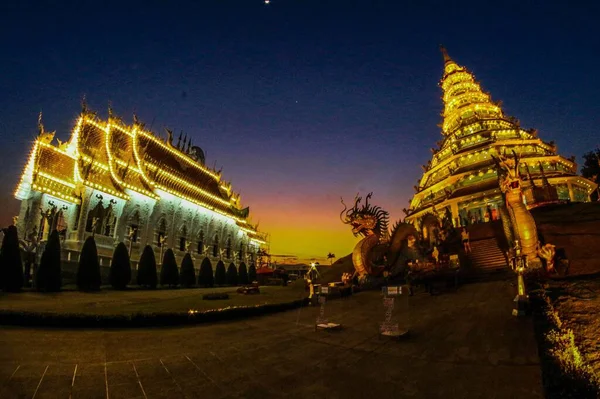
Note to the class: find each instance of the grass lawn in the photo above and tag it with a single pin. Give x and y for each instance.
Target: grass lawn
(111, 302)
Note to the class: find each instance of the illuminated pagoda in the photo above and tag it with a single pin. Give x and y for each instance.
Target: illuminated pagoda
(462, 178)
(123, 183)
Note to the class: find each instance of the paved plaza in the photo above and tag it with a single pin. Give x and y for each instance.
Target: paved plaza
(463, 344)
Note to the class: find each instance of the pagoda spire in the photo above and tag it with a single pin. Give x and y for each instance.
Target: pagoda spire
(445, 54)
(463, 98)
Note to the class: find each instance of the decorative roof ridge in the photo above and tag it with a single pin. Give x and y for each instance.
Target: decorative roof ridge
(149, 135)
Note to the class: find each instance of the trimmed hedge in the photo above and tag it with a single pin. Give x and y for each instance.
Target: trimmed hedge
(205, 275)
(243, 274)
(11, 266)
(120, 268)
(232, 275)
(220, 274)
(252, 273)
(35, 319)
(88, 270)
(187, 278)
(48, 276)
(147, 276)
(169, 274)
(215, 296)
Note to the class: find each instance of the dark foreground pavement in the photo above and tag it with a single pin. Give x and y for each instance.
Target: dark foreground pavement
(463, 345)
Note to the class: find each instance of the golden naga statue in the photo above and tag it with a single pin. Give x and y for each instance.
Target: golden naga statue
(371, 222)
(522, 225)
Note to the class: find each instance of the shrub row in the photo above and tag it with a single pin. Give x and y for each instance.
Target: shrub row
(565, 374)
(88, 277)
(34, 319)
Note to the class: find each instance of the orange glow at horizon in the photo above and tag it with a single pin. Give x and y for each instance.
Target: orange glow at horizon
(306, 231)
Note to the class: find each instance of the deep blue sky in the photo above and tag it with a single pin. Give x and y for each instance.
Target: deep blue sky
(300, 101)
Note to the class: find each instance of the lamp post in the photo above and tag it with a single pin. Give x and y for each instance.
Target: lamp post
(519, 264)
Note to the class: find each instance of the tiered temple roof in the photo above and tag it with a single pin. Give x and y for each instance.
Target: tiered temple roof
(122, 161)
(474, 129)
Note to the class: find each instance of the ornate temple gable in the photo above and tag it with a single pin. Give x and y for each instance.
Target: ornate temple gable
(139, 171)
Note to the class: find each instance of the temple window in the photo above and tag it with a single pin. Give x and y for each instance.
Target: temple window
(134, 227)
(200, 248)
(215, 251)
(109, 222)
(241, 252)
(98, 214)
(161, 232)
(60, 224)
(228, 251)
(182, 239)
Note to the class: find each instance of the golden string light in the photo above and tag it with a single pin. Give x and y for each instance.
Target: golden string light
(62, 187)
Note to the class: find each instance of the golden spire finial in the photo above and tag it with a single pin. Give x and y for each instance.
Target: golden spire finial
(445, 54)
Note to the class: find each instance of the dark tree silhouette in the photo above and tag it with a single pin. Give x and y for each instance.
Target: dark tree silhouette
(232, 275)
(11, 266)
(187, 277)
(169, 274)
(88, 271)
(330, 256)
(48, 276)
(591, 168)
(147, 276)
(252, 273)
(205, 276)
(120, 268)
(220, 274)
(243, 274)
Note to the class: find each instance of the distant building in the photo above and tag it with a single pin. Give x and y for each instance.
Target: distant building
(462, 176)
(123, 183)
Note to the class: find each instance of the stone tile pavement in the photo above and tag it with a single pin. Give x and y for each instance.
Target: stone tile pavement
(463, 344)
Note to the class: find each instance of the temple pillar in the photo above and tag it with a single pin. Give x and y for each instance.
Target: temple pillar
(571, 193)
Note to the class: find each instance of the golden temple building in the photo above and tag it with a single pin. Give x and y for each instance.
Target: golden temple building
(124, 184)
(462, 177)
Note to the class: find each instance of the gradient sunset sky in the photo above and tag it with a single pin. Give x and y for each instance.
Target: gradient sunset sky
(302, 101)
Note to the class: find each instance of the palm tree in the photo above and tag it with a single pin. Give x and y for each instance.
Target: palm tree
(330, 256)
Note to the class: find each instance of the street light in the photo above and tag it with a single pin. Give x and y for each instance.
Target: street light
(519, 264)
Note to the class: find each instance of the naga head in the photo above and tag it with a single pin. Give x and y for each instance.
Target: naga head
(365, 219)
(508, 172)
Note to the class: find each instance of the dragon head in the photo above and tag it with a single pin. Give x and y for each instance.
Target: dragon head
(508, 172)
(365, 219)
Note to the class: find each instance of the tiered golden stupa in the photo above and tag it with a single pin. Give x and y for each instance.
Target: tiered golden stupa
(462, 175)
(123, 183)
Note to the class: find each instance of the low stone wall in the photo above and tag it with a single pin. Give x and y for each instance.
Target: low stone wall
(579, 241)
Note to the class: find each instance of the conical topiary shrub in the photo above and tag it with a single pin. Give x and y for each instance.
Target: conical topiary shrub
(48, 276)
(232, 276)
(187, 277)
(146, 275)
(11, 267)
(88, 271)
(120, 268)
(243, 274)
(252, 273)
(205, 276)
(220, 274)
(169, 275)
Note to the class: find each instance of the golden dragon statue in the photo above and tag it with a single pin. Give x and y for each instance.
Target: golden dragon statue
(371, 222)
(518, 222)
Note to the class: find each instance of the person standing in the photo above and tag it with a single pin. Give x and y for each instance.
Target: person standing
(464, 234)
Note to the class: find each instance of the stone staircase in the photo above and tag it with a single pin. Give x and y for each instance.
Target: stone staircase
(486, 256)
